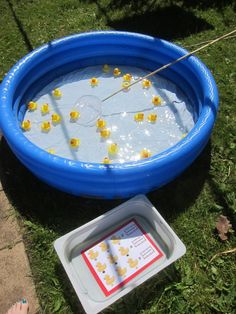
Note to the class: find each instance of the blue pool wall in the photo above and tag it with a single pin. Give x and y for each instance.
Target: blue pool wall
(59, 57)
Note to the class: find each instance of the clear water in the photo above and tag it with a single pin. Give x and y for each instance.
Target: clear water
(174, 116)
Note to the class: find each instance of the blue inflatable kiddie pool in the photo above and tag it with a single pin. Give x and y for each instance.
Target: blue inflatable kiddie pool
(84, 175)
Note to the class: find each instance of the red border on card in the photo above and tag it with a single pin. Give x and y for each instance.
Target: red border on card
(101, 285)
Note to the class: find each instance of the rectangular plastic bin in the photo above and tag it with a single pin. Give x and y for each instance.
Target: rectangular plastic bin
(116, 252)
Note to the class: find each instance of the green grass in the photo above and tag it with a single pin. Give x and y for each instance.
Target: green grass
(12, 46)
(191, 204)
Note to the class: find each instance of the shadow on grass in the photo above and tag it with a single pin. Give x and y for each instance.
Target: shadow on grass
(151, 17)
(63, 212)
(43, 204)
(20, 27)
(169, 22)
(180, 194)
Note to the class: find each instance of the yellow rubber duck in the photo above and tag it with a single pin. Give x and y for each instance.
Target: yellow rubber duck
(32, 106)
(113, 149)
(93, 255)
(106, 68)
(74, 142)
(106, 161)
(112, 259)
(105, 133)
(123, 251)
(109, 280)
(45, 109)
(138, 117)
(146, 83)
(126, 85)
(104, 246)
(127, 77)
(57, 93)
(156, 100)
(101, 267)
(26, 125)
(46, 126)
(121, 271)
(132, 263)
(184, 135)
(116, 72)
(56, 118)
(74, 115)
(101, 124)
(51, 151)
(145, 153)
(94, 81)
(152, 118)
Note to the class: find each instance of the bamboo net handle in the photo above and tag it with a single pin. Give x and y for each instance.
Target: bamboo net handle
(171, 63)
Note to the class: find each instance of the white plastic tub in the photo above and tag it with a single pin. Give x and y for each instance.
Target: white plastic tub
(140, 229)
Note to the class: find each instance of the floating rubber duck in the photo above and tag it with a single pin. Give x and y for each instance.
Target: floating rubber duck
(93, 255)
(113, 149)
(152, 117)
(74, 115)
(112, 259)
(145, 153)
(109, 280)
(100, 123)
(146, 83)
(46, 126)
(57, 93)
(104, 246)
(156, 100)
(121, 271)
(126, 85)
(45, 109)
(94, 81)
(26, 125)
(74, 142)
(132, 263)
(115, 240)
(138, 117)
(32, 106)
(106, 68)
(105, 133)
(101, 267)
(127, 77)
(116, 72)
(106, 161)
(184, 135)
(51, 151)
(56, 118)
(123, 251)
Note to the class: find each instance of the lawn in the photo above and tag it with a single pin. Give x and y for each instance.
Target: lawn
(190, 204)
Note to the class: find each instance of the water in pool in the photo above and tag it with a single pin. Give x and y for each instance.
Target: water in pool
(67, 119)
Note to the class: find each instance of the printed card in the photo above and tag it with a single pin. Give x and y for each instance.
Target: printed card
(120, 256)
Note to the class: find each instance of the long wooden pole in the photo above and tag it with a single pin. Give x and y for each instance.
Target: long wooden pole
(171, 63)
